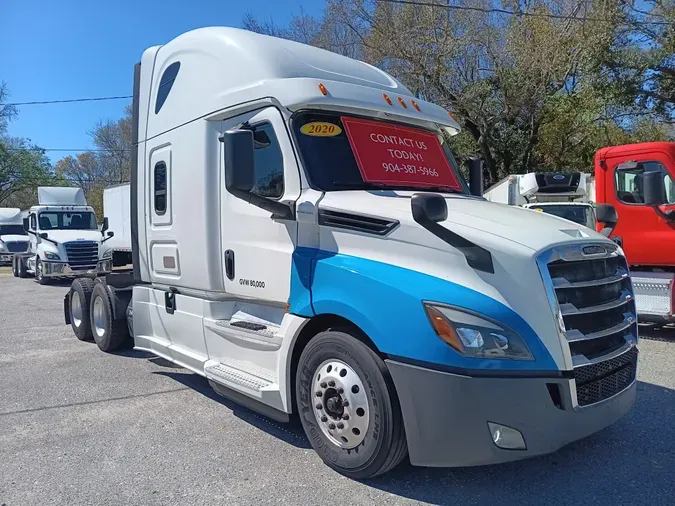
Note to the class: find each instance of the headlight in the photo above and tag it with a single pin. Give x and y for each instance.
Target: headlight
(476, 337)
(107, 254)
(52, 256)
(2, 247)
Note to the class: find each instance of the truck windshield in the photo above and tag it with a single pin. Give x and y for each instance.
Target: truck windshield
(12, 230)
(62, 220)
(349, 153)
(583, 215)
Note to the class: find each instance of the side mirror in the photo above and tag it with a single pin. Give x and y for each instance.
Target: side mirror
(239, 161)
(476, 176)
(429, 207)
(110, 233)
(654, 188)
(105, 225)
(26, 225)
(44, 235)
(607, 215)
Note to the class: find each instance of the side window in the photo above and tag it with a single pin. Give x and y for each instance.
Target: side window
(33, 222)
(629, 187)
(160, 188)
(165, 84)
(269, 163)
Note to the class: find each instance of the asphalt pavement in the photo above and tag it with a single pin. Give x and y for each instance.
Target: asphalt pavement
(78, 426)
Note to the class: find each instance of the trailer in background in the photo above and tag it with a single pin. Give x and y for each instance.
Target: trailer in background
(116, 208)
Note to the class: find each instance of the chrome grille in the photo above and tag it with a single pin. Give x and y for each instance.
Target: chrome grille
(82, 254)
(16, 246)
(593, 298)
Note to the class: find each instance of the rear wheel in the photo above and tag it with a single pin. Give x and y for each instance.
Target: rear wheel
(80, 297)
(21, 267)
(109, 334)
(348, 406)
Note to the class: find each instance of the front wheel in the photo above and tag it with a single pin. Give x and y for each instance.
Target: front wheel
(348, 406)
(15, 267)
(39, 272)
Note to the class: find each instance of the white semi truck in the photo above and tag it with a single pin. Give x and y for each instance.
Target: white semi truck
(64, 238)
(116, 209)
(566, 195)
(13, 238)
(302, 237)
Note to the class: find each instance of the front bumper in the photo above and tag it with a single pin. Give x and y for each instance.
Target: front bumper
(63, 269)
(6, 257)
(446, 415)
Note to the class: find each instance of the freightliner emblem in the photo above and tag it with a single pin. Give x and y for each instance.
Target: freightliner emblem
(594, 250)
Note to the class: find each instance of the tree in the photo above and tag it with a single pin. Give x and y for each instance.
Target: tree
(529, 89)
(23, 165)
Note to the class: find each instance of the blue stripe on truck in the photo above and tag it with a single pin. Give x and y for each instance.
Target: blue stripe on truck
(385, 301)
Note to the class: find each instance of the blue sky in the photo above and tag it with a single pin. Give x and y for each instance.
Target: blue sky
(61, 49)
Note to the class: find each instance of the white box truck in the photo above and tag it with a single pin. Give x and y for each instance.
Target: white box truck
(13, 238)
(64, 238)
(116, 209)
(566, 195)
(302, 237)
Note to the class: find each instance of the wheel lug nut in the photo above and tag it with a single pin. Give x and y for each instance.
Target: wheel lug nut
(331, 426)
(324, 418)
(319, 406)
(341, 390)
(323, 384)
(345, 417)
(331, 383)
(340, 425)
(319, 394)
(345, 403)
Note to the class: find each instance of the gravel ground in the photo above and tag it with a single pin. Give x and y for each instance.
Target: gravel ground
(78, 426)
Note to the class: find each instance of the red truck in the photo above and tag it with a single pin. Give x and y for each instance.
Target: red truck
(638, 180)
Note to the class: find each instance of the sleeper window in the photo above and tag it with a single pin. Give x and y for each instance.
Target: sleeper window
(160, 188)
(269, 163)
(165, 84)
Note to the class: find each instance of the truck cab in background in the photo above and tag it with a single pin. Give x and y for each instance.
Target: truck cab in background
(64, 238)
(638, 180)
(13, 238)
(566, 195)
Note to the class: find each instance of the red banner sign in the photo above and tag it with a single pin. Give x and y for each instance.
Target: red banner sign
(397, 155)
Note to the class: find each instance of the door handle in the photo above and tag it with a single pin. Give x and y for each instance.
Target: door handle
(229, 264)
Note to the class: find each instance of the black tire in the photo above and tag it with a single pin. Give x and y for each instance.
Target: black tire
(15, 268)
(384, 445)
(111, 334)
(81, 289)
(21, 267)
(39, 277)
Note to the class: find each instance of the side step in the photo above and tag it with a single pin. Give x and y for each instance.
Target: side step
(226, 374)
(247, 384)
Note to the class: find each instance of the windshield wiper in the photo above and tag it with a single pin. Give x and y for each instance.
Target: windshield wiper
(365, 185)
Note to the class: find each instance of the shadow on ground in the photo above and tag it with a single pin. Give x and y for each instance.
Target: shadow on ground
(630, 462)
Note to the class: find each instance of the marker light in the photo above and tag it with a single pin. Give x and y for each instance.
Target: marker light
(415, 105)
(402, 102)
(323, 89)
(506, 437)
(386, 98)
(474, 336)
(452, 115)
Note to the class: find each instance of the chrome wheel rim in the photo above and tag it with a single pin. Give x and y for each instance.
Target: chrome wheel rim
(76, 309)
(99, 317)
(340, 404)
(39, 270)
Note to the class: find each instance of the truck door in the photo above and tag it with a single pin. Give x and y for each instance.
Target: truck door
(258, 250)
(647, 238)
